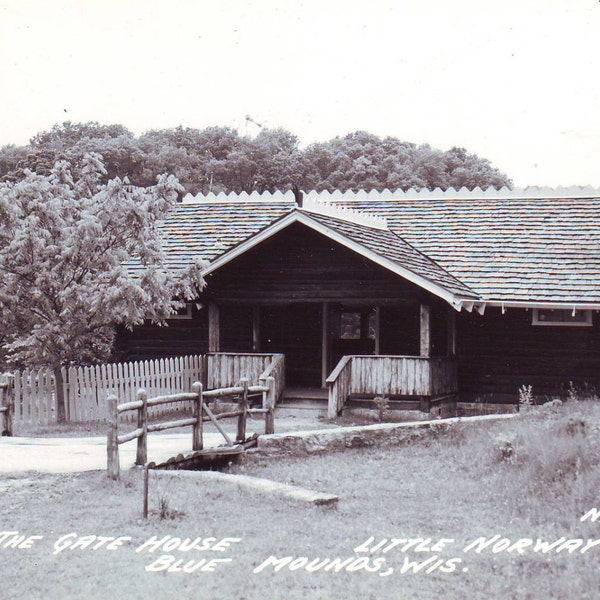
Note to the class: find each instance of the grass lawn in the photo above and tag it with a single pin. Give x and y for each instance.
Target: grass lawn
(523, 479)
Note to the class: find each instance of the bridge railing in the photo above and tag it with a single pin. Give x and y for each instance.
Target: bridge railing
(201, 414)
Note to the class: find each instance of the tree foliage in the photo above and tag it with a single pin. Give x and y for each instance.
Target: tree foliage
(65, 244)
(219, 159)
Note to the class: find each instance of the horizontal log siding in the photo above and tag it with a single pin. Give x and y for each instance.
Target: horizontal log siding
(301, 265)
(499, 353)
(179, 337)
(235, 328)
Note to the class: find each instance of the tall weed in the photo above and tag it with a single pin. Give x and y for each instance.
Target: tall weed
(548, 455)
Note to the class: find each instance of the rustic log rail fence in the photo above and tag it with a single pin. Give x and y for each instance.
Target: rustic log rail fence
(392, 376)
(7, 405)
(201, 414)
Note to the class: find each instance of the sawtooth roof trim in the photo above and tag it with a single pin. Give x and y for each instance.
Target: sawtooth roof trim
(532, 192)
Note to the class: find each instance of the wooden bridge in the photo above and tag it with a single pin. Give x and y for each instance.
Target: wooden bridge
(201, 413)
(414, 382)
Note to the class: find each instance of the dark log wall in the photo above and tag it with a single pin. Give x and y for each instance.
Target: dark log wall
(235, 328)
(300, 265)
(181, 337)
(399, 330)
(499, 353)
(295, 268)
(296, 331)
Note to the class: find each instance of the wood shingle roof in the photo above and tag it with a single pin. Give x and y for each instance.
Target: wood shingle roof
(529, 250)
(490, 249)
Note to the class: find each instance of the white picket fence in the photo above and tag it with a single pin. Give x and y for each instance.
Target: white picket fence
(87, 388)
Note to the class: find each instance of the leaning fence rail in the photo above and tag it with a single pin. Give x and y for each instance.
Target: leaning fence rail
(201, 414)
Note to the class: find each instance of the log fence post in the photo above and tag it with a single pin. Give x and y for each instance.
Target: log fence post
(243, 406)
(112, 446)
(145, 507)
(198, 414)
(8, 403)
(142, 423)
(269, 405)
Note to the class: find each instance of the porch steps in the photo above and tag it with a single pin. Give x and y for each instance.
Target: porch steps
(399, 404)
(303, 401)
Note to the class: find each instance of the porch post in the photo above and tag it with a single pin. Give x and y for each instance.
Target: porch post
(214, 341)
(255, 329)
(451, 332)
(325, 345)
(377, 330)
(425, 330)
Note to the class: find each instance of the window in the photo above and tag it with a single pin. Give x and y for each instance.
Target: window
(357, 325)
(350, 326)
(562, 317)
(182, 313)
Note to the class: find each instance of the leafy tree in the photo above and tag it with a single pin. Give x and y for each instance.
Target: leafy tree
(219, 159)
(64, 247)
(117, 145)
(362, 160)
(11, 157)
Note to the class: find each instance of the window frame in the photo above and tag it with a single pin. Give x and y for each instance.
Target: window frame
(588, 322)
(187, 316)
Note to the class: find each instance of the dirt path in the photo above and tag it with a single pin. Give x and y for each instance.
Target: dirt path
(75, 454)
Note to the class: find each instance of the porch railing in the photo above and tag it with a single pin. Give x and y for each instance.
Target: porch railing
(276, 370)
(389, 376)
(224, 369)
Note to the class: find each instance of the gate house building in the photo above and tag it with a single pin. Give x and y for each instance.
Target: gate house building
(480, 292)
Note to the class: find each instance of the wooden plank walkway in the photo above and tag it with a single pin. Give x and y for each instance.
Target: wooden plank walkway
(206, 458)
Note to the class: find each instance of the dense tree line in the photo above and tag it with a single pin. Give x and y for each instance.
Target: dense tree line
(220, 159)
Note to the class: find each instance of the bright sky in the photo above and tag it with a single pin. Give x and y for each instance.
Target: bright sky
(515, 81)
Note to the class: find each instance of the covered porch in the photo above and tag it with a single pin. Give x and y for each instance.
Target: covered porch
(316, 296)
(345, 351)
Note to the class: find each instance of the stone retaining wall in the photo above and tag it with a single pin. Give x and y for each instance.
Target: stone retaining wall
(340, 438)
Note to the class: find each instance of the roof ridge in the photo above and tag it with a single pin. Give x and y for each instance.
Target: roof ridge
(328, 209)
